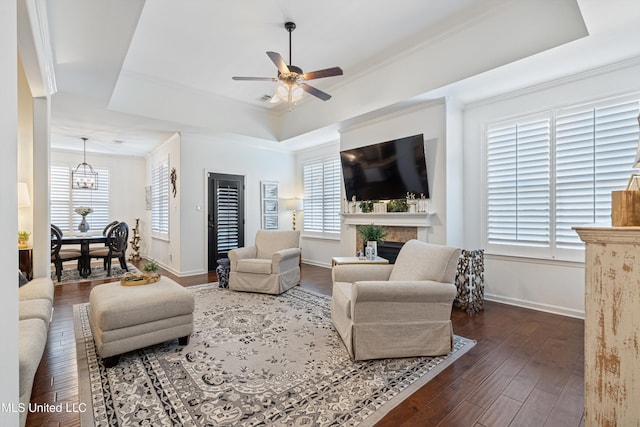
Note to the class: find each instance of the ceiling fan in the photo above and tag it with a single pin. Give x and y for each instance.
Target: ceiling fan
(292, 79)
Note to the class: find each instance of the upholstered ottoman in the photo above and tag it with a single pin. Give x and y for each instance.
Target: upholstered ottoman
(126, 318)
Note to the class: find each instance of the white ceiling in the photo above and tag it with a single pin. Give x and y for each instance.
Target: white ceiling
(130, 73)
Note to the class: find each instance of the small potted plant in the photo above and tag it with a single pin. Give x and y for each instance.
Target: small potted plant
(23, 239)
(150, 269)
(371, 235)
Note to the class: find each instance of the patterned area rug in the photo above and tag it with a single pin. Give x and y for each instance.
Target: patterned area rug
(253, 359)
(71, 274)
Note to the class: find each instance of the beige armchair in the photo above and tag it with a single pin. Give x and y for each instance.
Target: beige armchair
(399, 310)
(271, 266)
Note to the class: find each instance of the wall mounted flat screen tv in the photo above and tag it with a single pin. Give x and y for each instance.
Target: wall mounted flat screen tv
(387, 170)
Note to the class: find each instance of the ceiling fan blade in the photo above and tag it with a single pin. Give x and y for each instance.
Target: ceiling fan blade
(261, 79)
(315, 92)
(277, 59)
(327, 72)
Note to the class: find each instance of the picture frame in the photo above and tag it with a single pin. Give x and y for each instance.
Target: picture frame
(270, 222)
(269, 204)
(147, 198)
(269, 190)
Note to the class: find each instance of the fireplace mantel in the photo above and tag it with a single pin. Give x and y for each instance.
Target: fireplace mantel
(350, 222)
(399, 219)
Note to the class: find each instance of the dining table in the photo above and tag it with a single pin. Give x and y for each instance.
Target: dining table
(84, 240)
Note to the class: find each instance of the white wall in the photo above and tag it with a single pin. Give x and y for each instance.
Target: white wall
(9, 223)
(547, 285)
(166, 252)
(255, 160)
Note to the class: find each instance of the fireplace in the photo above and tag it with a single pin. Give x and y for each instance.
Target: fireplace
(399, 226)
(389, 250)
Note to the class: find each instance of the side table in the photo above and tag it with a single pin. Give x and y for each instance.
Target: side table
(25, 261)
(337, 260)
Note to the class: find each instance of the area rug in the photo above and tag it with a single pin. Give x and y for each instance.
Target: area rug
(253, 360)
(71, 274)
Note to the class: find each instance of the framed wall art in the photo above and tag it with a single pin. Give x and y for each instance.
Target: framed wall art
(269, 204)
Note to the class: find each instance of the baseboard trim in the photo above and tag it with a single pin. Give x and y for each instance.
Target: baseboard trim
(547, 308)
(316, 263)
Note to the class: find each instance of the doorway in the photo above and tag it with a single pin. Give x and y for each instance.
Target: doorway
(225, 216)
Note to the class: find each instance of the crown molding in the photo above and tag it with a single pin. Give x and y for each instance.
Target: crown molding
(34, 45)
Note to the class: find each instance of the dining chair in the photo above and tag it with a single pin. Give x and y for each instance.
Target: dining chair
(105, 232)
(59, 255)
(116, 247)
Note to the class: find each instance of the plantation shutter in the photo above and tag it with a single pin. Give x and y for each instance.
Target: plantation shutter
(96, 199)
(322, 195)
(518, 176)
(60, 198)
(160, 199)
(64, 200)
(595, 149)
(227, 216)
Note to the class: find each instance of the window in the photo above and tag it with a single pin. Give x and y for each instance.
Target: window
(322, 195)
(160, 200)
(64, 200)
(550, 172)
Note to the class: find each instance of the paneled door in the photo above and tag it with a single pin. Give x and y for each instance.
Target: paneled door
(225, 216)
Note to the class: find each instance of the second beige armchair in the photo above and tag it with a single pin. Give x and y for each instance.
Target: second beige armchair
(400, 310)
(271, 265)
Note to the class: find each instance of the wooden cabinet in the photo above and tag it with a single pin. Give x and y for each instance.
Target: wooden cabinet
(612, 325)
(25, 262)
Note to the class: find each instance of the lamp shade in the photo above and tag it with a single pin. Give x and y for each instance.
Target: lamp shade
(24, 201)
(294, 204)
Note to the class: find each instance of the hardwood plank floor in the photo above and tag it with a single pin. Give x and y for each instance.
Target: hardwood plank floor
(525, 370)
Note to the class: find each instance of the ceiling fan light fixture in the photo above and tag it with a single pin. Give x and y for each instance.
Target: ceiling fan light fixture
(291, 79)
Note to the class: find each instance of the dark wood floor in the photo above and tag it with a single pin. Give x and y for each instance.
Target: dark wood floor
(525, 370)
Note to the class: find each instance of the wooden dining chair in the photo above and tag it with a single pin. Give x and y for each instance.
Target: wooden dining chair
(105, 232)
(59, 255)
(116, 247)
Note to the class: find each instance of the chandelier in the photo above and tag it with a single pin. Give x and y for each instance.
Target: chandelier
(83, 177)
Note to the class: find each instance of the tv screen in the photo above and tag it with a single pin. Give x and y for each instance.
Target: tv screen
(387, 170)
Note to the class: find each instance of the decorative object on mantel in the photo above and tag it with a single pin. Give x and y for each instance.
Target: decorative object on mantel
(470, 281)
(174, 182)
(353, 204)
(84, 177)
(83, 227)
(411, 202)
(135, 242)
(422, 203)
(625, 204)
(397, 206)
(379, 207)
(366, 206)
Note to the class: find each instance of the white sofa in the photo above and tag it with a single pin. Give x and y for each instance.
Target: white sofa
(399, 310)
(35, 301)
